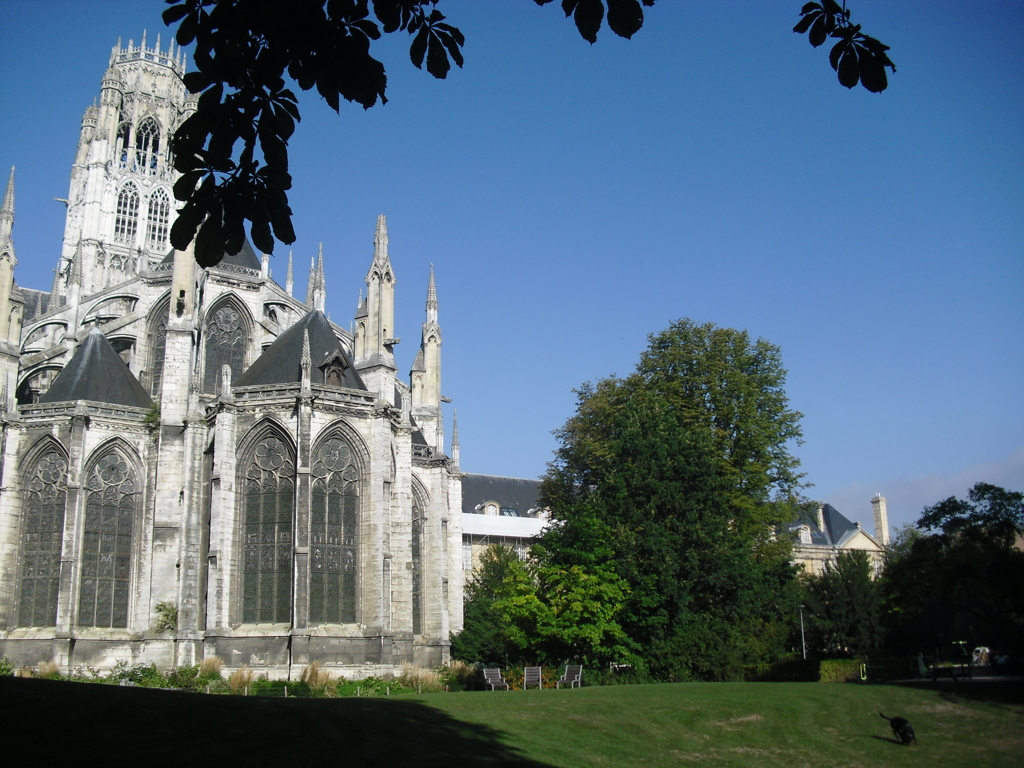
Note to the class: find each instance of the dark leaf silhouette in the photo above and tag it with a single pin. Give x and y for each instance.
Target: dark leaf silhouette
(855, 57)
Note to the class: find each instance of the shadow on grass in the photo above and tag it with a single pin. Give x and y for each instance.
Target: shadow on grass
(72, 721)
(1007, 694)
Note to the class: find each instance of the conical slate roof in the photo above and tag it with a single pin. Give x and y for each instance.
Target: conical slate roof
(96, 372)
(282, 362)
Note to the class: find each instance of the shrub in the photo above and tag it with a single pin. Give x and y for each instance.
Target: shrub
(240, 680)
(166, 617)
(460, 676)
(419, 679)
(145, 675)
(6, 667)
(839, 670)
(47, 670)
(319, 680)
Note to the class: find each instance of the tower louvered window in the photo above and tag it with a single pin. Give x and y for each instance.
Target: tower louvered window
(334, 520)
(41, 541)
(126, 222)
(225, 345)
(147, 146)
(417, 569)
(157, 220)
(110, 499)
(267, 556)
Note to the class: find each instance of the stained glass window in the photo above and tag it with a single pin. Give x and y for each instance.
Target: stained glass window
(334, 535)
(110, 497)
(417, 569)
(225, 345)
(267, 559)
(41, 541)
(127, 220)
(156, 221)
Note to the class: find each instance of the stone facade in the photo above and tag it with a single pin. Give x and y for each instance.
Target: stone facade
(287, 494)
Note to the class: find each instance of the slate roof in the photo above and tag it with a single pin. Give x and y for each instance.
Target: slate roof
(837, 527)
(246, 258)
(36, 302)
(96, 372)
(282, 362)
(510, 492)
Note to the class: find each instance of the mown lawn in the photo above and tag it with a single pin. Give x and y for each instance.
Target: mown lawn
(739, 724)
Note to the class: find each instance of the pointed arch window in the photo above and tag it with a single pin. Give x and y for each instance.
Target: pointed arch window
(159, 337)
(417, 567)
(41, 541)
(123, 132)
(126, 222)
(147, 145)
(158, 218)
(226, 342)
(267, 559)
(110, 503)
(334, 535)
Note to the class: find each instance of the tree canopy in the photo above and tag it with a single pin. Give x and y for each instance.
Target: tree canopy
(249, 52)
(675, 479)
(958, 575)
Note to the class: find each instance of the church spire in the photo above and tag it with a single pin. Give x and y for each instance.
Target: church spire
(431, 297)
(380, 242)
(311, 282)
(7, 211)
(380, 304)
(319, 284)
(455, 439)
(289, 281)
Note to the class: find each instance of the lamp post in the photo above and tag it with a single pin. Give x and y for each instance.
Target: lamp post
(803, 640)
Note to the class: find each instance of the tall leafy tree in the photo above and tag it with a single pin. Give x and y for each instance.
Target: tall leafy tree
(233, 151)
(842, 608)
(959, 574)
(676, 478)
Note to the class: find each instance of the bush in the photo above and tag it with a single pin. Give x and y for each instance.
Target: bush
(240, 680)
(6, 667)
(319, 680)
(839, 670)
(147, 676)
(419, 679)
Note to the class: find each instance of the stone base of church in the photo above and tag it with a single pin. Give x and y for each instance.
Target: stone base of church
(278, 657)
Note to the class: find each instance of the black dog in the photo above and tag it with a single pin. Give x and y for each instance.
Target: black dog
(902, 728)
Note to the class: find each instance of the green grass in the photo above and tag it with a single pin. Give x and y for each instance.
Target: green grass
(754, 724)
(737, 724)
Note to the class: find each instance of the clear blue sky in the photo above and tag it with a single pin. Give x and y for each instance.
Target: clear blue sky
(575, 198)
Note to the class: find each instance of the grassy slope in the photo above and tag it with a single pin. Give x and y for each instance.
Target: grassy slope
(753, 724)
(760, 724)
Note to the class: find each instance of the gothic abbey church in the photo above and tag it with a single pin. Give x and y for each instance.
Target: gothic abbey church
(195, 462)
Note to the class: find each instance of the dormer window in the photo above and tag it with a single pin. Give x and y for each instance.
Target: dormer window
(333, 369)
(805, 535)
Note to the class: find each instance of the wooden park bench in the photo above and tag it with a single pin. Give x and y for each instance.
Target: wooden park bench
(572, 676)
(533, 676)
(492, 677)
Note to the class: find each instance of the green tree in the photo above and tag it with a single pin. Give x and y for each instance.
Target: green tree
(676, 478)
(248, 52)
(486, 635)
(843, 610)
(959, 574)
(518, 612)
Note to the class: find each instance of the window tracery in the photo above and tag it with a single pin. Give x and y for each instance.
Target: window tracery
(417, 568)
(126, 222)
(334, 519)
(41, 541)
(225, 345)
(156, 368)
(267, 557)
(106, 543)
(147, 145)
(157, 220)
